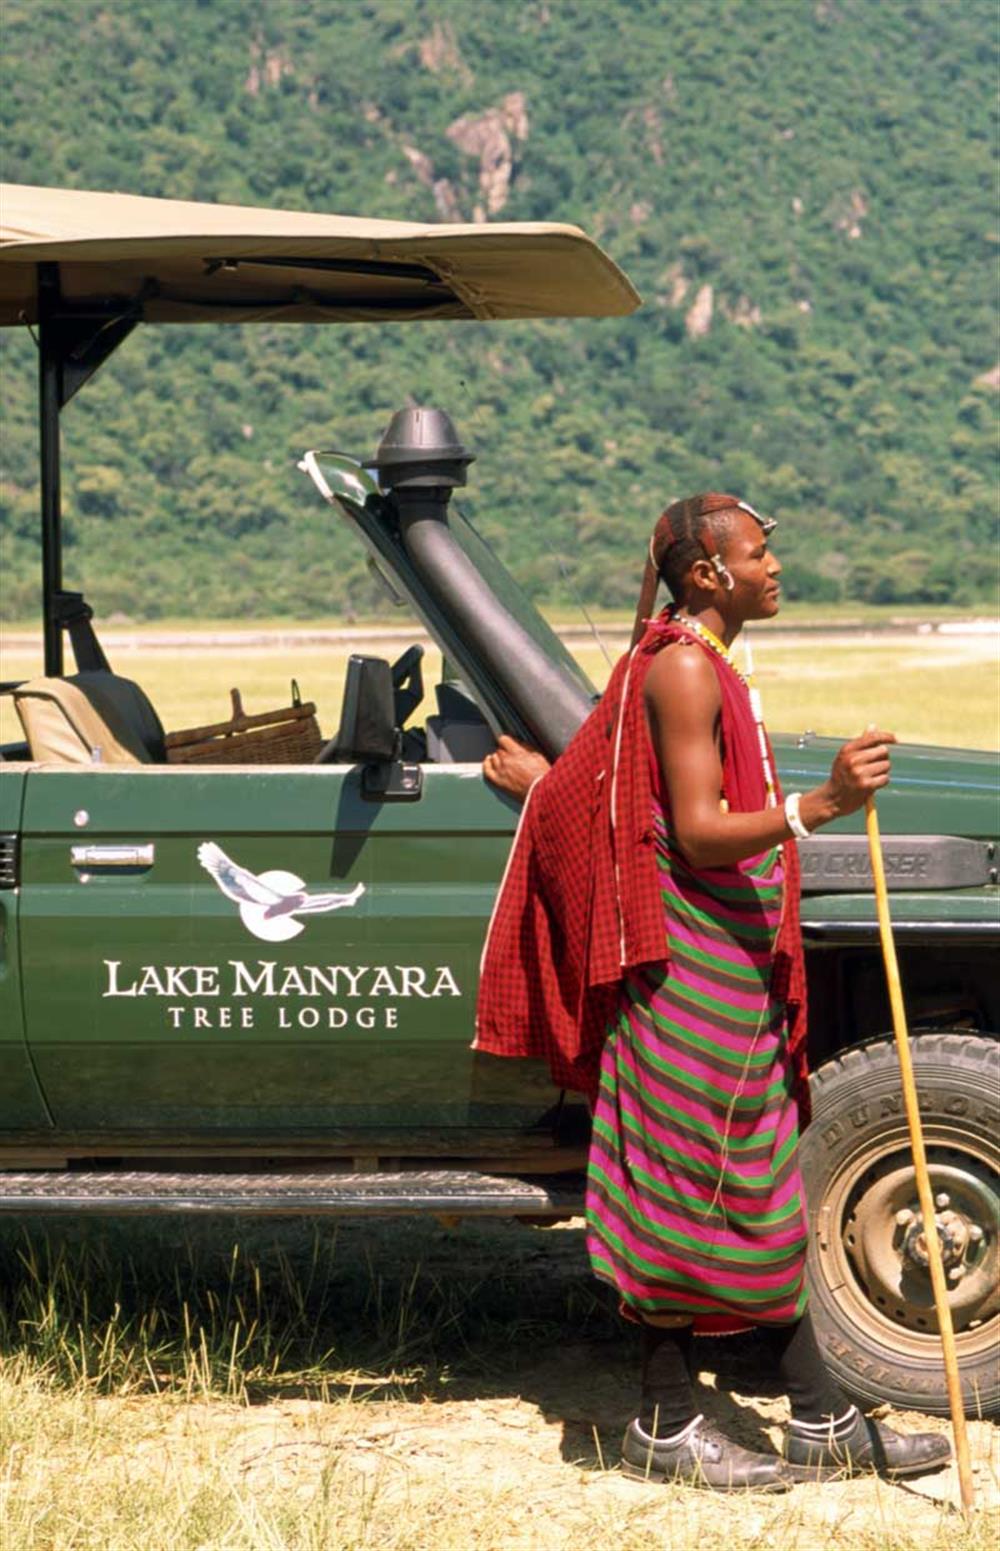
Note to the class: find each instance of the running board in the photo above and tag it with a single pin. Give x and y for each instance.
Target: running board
(446, 1193)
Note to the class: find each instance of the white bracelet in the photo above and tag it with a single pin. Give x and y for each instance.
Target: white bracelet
(793, 818)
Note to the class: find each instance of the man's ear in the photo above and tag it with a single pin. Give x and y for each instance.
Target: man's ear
(703, 577)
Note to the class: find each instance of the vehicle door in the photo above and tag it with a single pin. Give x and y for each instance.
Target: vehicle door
(259, 952)
(21, 1106)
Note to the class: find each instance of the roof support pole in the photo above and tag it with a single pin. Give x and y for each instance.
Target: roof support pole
(49, 395)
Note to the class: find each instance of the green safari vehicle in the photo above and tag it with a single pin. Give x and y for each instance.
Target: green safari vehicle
(246, 986)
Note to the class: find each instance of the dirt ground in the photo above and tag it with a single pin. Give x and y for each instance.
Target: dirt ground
(545, 1431)
(472, 1397)
(549, 1453)
(538, 1427)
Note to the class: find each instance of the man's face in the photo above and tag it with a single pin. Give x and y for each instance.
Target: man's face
(755, 570)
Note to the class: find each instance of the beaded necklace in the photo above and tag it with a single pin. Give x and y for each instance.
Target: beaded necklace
(720, 649)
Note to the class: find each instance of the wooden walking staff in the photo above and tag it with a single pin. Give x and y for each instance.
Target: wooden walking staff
(935, 1263)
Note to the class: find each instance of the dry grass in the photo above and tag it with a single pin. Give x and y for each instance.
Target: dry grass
(396, 1386)
(190, 687)
(928, 688)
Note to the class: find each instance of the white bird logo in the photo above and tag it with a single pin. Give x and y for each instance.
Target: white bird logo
(268, 902)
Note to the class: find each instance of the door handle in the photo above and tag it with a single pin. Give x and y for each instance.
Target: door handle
(112, 856)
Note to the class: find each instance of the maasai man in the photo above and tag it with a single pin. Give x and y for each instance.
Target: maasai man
(646, 942)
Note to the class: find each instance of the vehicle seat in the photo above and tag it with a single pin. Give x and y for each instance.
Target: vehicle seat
(67, 720)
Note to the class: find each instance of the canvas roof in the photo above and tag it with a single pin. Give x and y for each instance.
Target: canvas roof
(184, 262)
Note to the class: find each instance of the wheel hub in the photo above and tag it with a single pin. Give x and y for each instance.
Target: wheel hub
(956, 1236)
(885, 1237)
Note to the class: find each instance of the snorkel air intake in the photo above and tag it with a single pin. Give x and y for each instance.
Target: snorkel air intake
(420, 450)
(420, 461)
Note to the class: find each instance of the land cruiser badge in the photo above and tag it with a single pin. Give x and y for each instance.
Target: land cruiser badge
(269, 902)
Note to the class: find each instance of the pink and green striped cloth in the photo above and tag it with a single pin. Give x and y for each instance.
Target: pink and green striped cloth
(694, 1197)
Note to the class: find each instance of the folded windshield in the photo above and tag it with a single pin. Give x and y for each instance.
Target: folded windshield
(492, 637)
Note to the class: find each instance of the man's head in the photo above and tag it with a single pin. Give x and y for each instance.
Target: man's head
(692, 530)
(711, 552)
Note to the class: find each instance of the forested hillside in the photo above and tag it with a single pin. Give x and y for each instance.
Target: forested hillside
(802, 190)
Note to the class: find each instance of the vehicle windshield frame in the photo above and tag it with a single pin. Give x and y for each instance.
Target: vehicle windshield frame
(500, 648)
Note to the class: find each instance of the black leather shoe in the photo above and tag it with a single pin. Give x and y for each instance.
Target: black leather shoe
(868, 1446)
(702, 1456)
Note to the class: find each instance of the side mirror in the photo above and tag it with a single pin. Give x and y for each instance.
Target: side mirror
(368, 732)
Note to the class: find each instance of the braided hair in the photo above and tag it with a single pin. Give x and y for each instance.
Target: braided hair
(689, 530)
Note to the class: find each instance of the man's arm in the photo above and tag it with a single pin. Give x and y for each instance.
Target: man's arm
(683, 707)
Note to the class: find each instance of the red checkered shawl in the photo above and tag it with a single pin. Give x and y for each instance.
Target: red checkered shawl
(580, 904)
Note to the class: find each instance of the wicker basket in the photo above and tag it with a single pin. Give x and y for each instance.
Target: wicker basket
(289, 736)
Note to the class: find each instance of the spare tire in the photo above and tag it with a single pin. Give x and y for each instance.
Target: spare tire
(871, 1295)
